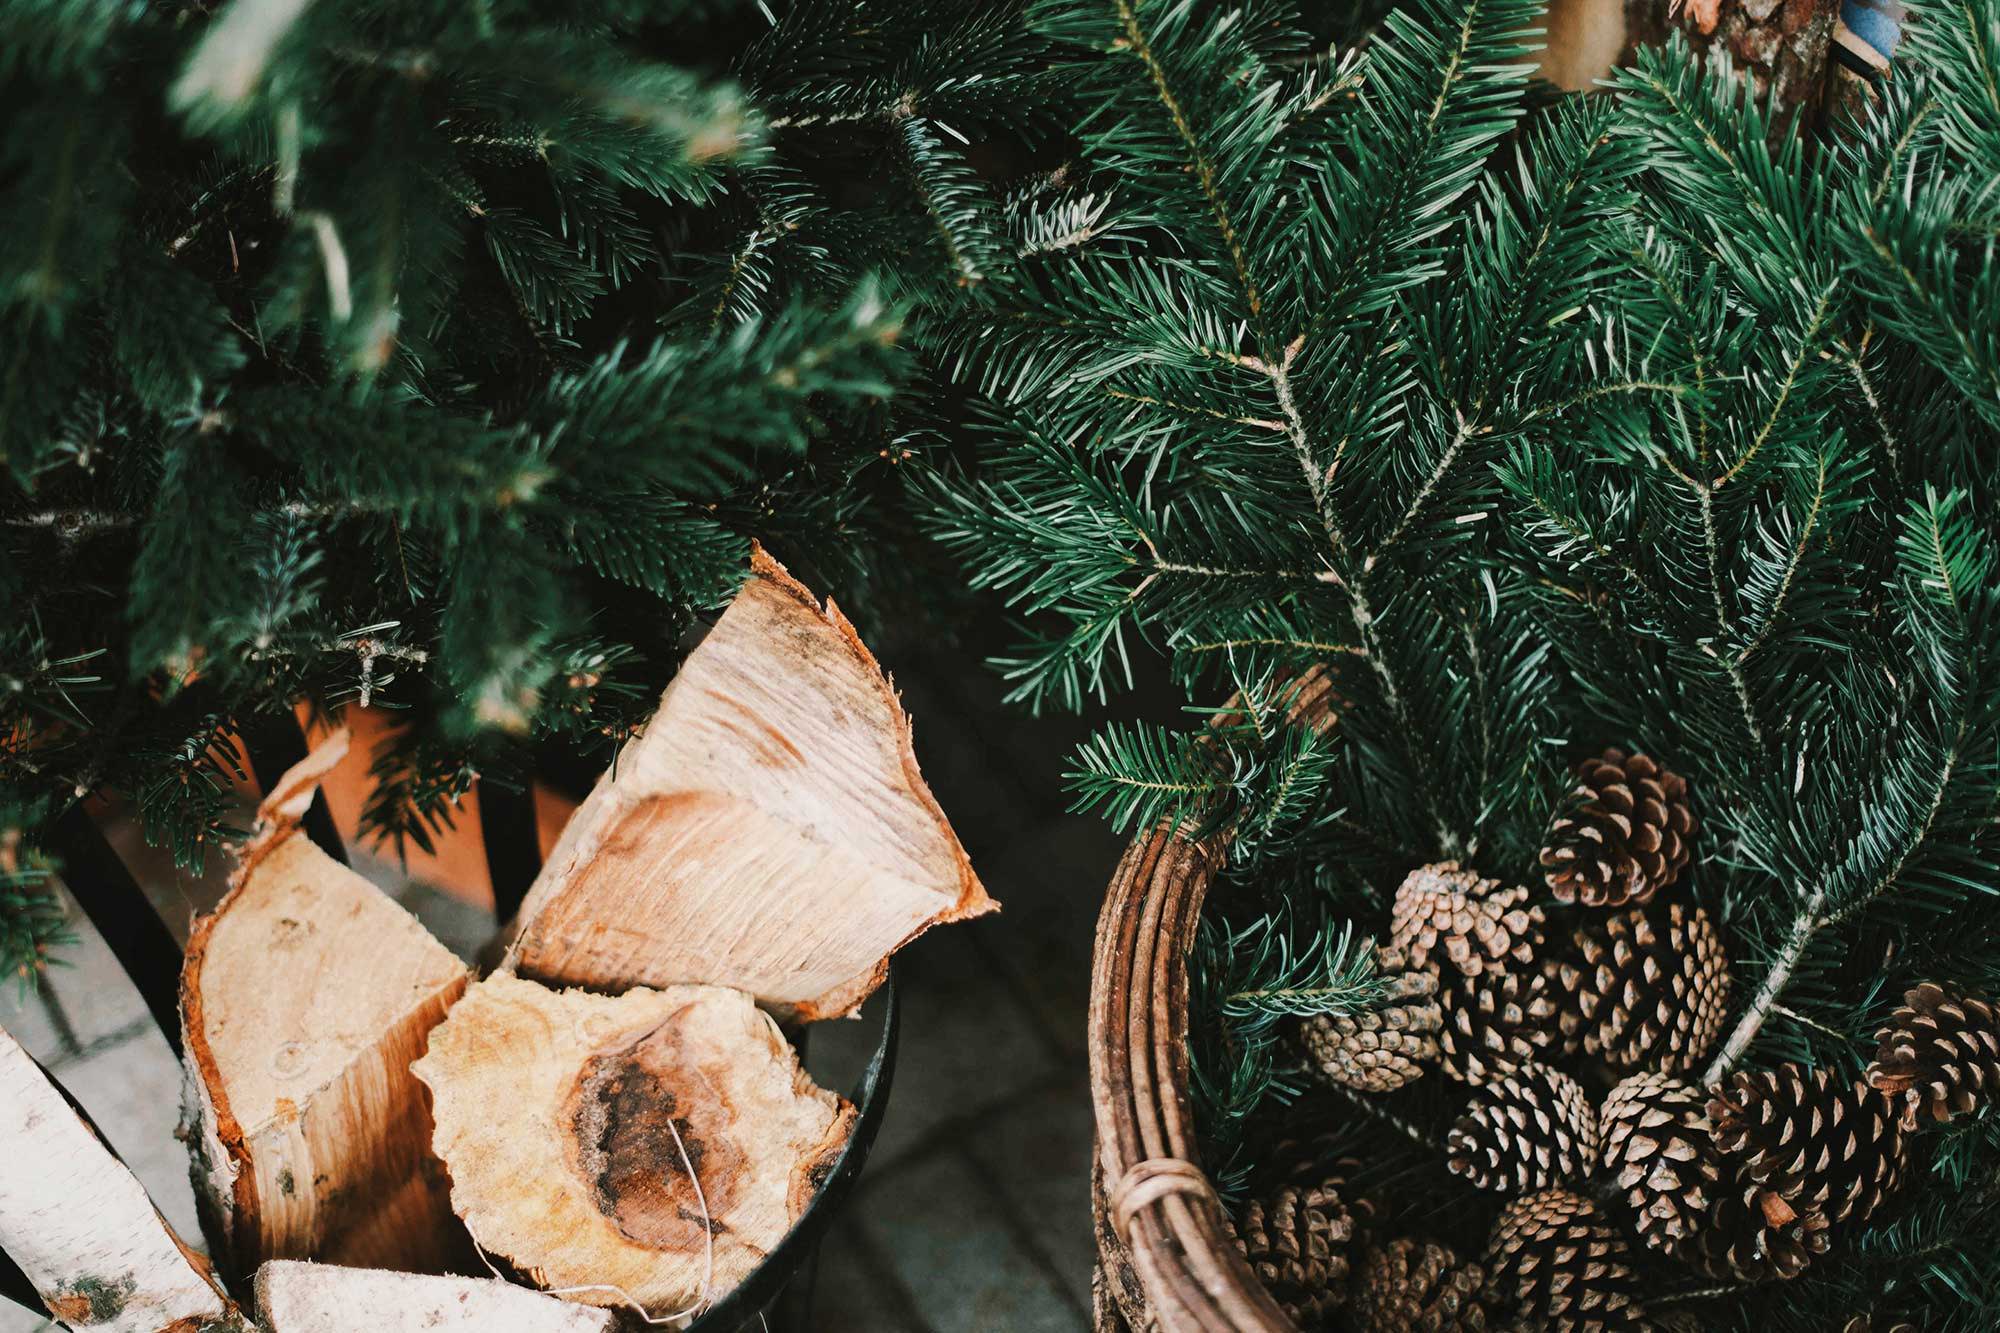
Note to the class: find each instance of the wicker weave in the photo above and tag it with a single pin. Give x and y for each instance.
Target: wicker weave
(1165, 1250)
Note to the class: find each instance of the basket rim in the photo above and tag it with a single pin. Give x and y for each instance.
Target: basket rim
(1165, 1246)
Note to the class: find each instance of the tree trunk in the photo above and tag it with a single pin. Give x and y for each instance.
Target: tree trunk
(1780, 45)
(295, 1297)
(81, 1227)
(304, 998)
(644, 1150)
(769, 831)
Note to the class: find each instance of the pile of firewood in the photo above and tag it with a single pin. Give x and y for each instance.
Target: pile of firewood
(614, 1115)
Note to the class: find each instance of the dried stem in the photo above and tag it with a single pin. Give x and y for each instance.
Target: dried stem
(1775, 980)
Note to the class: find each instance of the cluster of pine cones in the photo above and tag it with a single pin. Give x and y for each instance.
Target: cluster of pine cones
(1746, 1180)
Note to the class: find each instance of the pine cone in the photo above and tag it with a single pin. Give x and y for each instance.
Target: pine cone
(1385, 1048)
(1821, 1145)
(1751, 1234)
(1557, 1264)
(1529, 1131)
(1649, 986)
(1939, 1053)
(1496, 1022)
(1473, 922)
(1658, 1150)
(1296, 1240)
(1410, 1286)
(1625, 835)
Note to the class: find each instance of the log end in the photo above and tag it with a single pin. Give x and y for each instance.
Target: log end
(648, 1149)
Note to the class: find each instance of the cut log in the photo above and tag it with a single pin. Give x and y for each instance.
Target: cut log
(304, 997)
(769, 831)
(570, 1120)
(80, 1226)
(294, 1297)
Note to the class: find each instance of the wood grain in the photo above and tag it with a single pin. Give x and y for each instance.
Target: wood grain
(569, 1119)
(769, 830)
(304, 997)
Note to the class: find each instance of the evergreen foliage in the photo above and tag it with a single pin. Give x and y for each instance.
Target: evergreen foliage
(1622, 420)
(442, 359)
(446, 360)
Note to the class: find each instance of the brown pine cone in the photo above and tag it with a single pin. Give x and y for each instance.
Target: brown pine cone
(1819, 1143)
(1658, 1150)
(1939, 1054)
(1751, 1235)
(1625, 836)
(1496, 1022)
(1529, 1131)
(1472, 922)
(1296, 1240)
(1647, 987)
(1556, 1264)
(1410, 1286)
(1384, 1048)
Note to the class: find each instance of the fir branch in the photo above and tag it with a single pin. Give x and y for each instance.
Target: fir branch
(1866, 385)
(1808, 348)
(1204, 167)
(1773, 613)
(1331, 975)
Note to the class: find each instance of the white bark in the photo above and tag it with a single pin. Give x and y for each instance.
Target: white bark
(295, 1297)
(81, 1226)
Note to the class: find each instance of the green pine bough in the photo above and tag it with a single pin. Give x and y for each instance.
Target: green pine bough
(442, 360)
(446, 360)
(1542, 427)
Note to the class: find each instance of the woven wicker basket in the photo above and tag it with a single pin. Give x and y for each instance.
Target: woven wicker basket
(1166, 1258)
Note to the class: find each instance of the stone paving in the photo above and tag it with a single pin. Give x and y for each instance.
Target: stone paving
(973, 1214)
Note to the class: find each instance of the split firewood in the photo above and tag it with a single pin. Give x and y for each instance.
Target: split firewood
(81, 1227)
(294, 1297)
(769, 830)
(304, 997)
(644, 1150)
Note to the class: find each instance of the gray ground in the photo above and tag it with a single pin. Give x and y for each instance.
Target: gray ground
(974, 1212)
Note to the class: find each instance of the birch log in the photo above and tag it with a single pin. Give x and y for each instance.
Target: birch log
(81, 1227)
(645, 1150)
(769, 831)
(304, 997)
(294, 1297)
